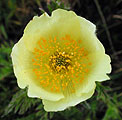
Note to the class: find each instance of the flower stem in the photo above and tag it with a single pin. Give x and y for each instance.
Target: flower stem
(105, 27)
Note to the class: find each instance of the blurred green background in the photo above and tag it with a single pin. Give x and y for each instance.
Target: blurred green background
(105, 104)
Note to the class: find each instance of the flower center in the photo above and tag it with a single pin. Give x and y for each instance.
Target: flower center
(60, 62)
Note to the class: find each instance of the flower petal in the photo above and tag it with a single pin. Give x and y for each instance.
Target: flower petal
(101, 66)
(46, 26)
(85, 29)
(19, 62)
(25, 77)
(35, 29)
(88, 35)
(98, 69)
(61, 14)
(69, 101)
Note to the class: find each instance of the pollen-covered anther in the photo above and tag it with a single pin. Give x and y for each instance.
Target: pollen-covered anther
(60, 61)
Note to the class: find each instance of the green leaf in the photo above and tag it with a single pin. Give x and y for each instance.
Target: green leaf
(29, 117)
(3, 31)
(20, 103)
(112, 113)
(5, 60)
(55, 4)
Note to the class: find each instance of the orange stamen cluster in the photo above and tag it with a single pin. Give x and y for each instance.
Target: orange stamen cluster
(60, 64)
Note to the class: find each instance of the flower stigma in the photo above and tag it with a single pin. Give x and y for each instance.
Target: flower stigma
(60, 62)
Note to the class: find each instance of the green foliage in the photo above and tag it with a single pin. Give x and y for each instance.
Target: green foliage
(3, 31)
(55, 4)
(7, 10)
(112, 113)
(112, 102)
(20, 103)
(5, 61)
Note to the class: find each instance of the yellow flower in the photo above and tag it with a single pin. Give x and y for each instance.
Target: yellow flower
(59, 58)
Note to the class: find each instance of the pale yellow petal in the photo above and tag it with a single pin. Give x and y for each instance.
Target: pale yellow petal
(50, 27)
(19, 52)
(69, 101)
(101, 66)
(36, 91)
(61, 14)
(88, 36)
(21, 58)
(35, 29)
(98, 70)
(78, 28)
